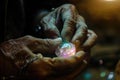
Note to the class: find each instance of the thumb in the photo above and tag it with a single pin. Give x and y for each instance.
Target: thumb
(53, 42)
(45, 45)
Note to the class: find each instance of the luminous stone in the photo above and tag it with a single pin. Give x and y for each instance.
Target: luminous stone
(65, 50)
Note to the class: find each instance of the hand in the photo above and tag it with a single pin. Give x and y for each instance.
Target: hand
(19, 50)
(66, 22)
(22, 49)
(27, 45)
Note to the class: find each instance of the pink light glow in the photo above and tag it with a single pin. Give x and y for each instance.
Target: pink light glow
(66, 50)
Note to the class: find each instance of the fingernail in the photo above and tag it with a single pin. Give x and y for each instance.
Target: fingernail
(76, 41)
(58, 39)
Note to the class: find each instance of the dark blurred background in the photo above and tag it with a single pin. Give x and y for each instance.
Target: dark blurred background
(102, 16)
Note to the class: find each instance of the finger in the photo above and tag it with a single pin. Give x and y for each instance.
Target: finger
(48, 24)
(69, 16)
(90, 40)
(79, 68)
(68, 30)
(81, 31)
(46, 66)
(38, 45)
(68, 63)
(51, 66)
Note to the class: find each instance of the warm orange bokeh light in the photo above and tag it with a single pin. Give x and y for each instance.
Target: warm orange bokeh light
(110, 0)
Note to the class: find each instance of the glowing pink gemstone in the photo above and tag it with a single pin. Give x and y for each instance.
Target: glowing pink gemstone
(66, 50)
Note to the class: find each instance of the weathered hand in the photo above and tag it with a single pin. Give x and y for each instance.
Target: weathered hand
(65, 22)
(22, 49)
(29, 46)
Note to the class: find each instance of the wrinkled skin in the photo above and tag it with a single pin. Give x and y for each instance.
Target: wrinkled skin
(73, 29)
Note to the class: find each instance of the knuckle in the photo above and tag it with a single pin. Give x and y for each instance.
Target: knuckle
(42, 21)
(68, 6)
(28, 39)
(28, 36)
(93, 34)
(45, 19)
